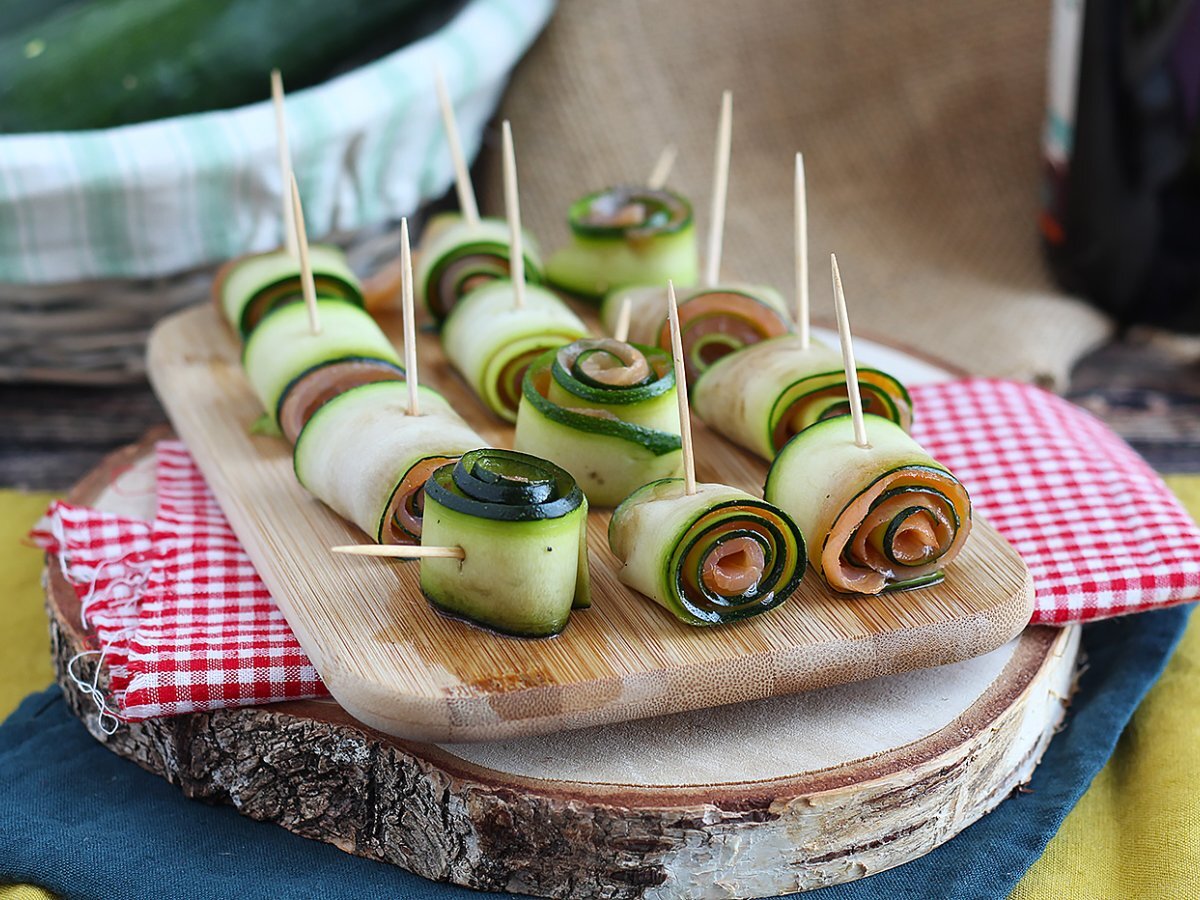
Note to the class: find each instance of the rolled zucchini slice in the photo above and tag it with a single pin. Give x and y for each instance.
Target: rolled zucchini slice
(248, 288)
(766, 394)
(522, 524)
(715, 556)
(884, 518)
(492, 343)
(713, 322)
(606, 412)
(625, 236)
(368, 460)
(282, 351)
(457, 257)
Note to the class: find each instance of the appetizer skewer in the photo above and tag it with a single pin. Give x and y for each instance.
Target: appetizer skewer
(881, 514)
(461, 253)
(395, 434)
(521, 523)
(708, 553)
(605, 411)
(495, 332)
(245, 289)
(302, 356)
(717, 319)
(785, 384)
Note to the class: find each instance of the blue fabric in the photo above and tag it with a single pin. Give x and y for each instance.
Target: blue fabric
(84, 823)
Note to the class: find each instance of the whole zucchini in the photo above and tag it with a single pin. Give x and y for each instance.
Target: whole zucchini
(103, 63)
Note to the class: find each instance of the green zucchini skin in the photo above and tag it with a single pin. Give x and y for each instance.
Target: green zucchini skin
(457, 257)
(604, 257)
(106, 63)
(525, 565)
(283, 347)
(637, 440)
(662, 535)
(486, 338)
(248, 281)
(780, 377)
(355, 451)
(852, 501)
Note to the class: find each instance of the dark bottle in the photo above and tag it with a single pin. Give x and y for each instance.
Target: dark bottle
(1121, 217)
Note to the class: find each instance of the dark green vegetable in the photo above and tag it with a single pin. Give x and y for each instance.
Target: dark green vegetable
(103, 63)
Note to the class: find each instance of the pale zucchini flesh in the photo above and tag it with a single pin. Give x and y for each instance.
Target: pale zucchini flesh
(660, 533)
(487, 336)
(253, 285)
(457, 257)
(357, 448)
(830, 485)
(283, 346)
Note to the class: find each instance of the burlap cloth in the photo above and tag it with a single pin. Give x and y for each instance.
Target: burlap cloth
(919, 123)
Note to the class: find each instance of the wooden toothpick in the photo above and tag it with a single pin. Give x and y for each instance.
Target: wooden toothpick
(662, 168)
(512, 205)
(306, 276)
(401, 551)
(621, 332)
(843, 321)
(410, 327)
(716, 231)
(681, 392)
(285, 163)
(802, 315)
(462, 173)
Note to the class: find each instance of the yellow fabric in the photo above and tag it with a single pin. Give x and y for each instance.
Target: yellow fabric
(24, 642)
(1136, 832)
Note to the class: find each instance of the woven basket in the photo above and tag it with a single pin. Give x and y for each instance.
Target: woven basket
(104, 232)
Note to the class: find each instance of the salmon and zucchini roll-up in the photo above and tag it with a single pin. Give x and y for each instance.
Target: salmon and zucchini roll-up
(881, 518)
(294, 372)
(713, 322)
(366, 458)
(763, 396)
(606, 412)
(457, 257)
(247, 288)
(491, 342)
(711, 557)
(522, 525)
(625, 236)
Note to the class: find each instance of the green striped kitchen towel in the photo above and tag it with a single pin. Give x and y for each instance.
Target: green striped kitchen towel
(168, 196)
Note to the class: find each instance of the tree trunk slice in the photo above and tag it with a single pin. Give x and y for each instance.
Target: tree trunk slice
(899, 766)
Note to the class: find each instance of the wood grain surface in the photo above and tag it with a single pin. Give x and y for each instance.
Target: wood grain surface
(402, 668)
(752, 800)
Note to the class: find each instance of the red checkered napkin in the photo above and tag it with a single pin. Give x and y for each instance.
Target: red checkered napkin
(183, 622)
(1101, 534)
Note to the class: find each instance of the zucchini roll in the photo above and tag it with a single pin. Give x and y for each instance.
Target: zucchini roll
(713, 322)
(522, 524)
(283, 357)
(625, 236)
(606, 412)
(714, 556)
(249, 287)
(368, 459)
(764, 395)
(888, 517)
(491, 342)
(457, 257)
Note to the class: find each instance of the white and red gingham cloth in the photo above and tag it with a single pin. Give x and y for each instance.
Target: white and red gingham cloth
(184, 623)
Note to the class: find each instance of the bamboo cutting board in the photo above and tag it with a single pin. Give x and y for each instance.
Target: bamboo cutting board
(399, 666)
